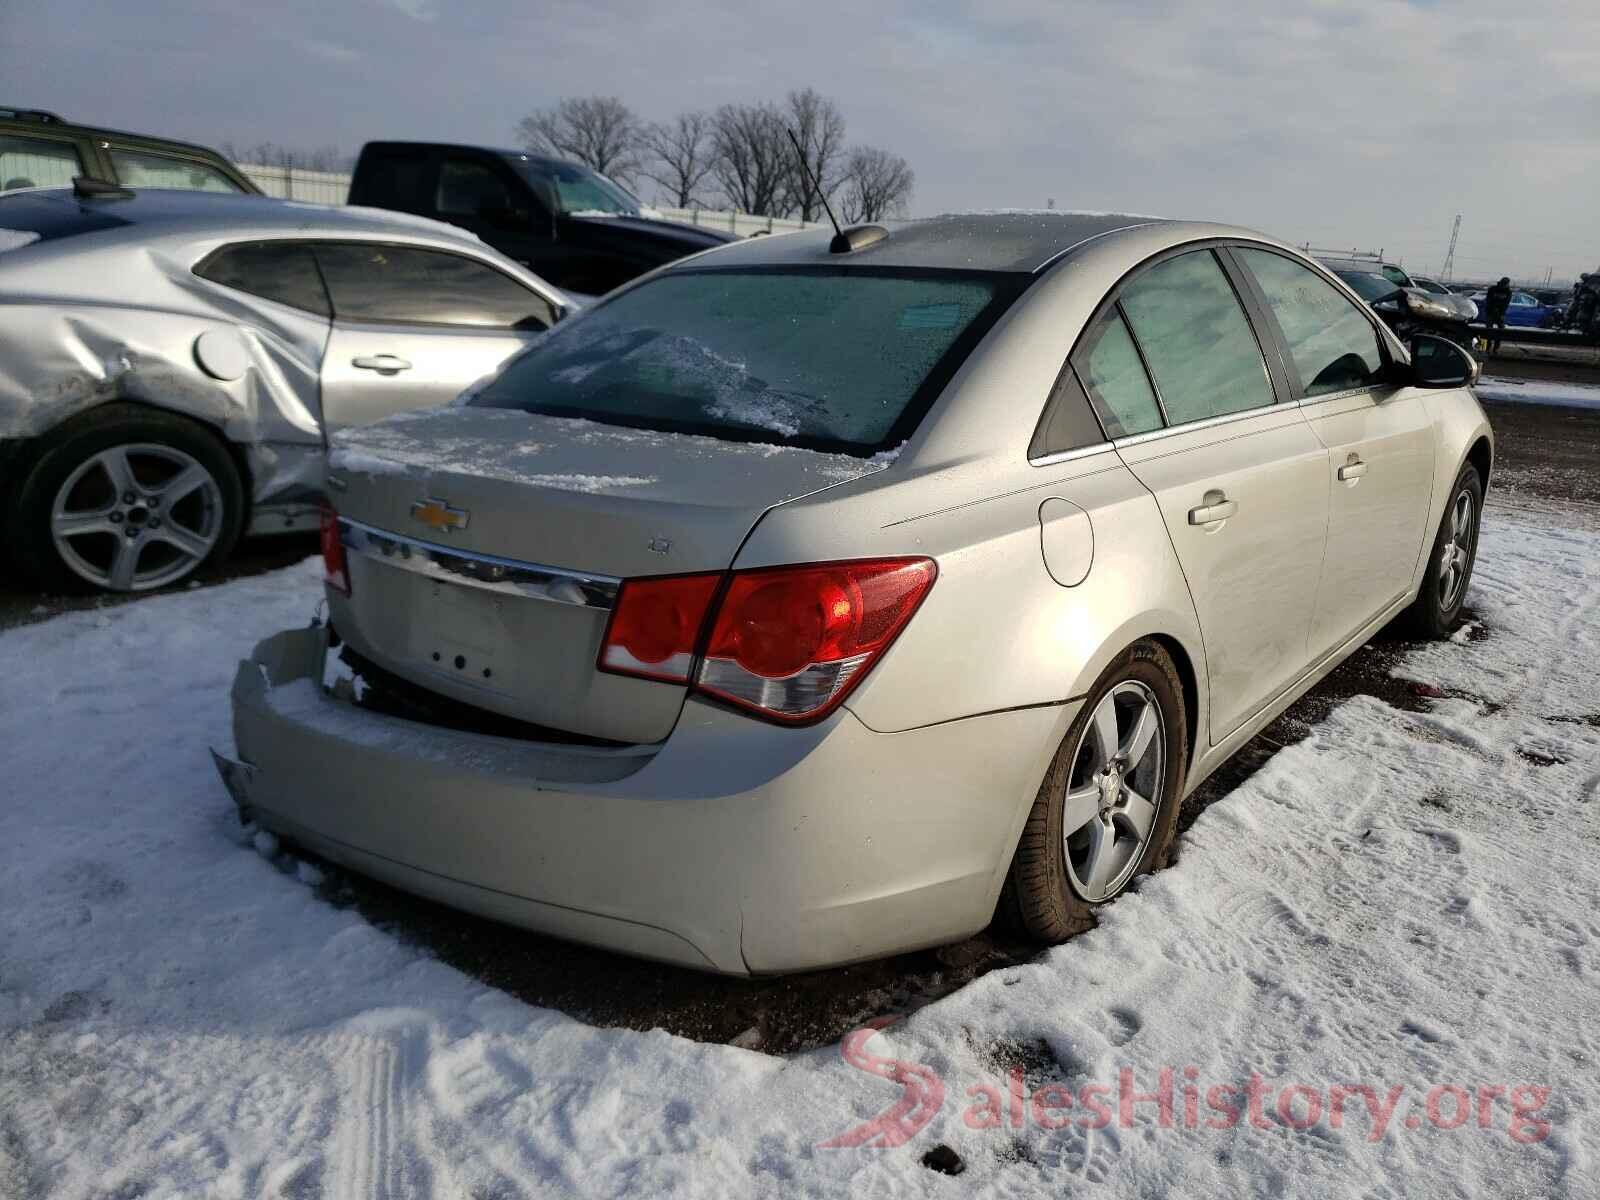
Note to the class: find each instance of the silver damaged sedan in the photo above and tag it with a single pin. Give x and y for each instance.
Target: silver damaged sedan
(813, 598)
(171, 363)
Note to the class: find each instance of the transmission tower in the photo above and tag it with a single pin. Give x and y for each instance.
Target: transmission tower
(1450, 254)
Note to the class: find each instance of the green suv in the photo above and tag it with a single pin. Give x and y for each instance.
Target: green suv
(40, 149)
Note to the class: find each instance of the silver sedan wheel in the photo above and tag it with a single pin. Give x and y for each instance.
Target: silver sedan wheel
(1455, 556)
(1114, 791)
(136, 517)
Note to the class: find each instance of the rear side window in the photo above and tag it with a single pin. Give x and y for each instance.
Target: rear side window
(1114, 377)
(1201, 350)
(468, 188)
(1334, 347)
(27, 162)
(370, 281)
(829, 359)
(391, 179)
(139, 170)
(281, 271)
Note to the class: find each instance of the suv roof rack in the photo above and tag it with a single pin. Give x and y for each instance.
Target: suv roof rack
(31, 114)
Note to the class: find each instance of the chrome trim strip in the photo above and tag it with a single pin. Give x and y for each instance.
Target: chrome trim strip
(489, 572)
(1155, 435)
(1061, 456)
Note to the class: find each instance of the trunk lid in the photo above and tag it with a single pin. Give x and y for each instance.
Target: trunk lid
(534, 518)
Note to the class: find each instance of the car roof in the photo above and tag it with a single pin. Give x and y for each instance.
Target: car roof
(59, 212)
(1013, 241)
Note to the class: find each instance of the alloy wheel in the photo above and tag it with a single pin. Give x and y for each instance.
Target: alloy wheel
(1455, 555)
(1114, 791)
(136, 517)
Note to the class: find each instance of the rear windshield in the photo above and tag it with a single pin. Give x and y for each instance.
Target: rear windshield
(827, 359)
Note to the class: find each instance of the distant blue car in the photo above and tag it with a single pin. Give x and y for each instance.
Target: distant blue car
(1524, 310)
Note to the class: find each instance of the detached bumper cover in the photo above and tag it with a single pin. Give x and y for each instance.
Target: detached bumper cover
(732, 846)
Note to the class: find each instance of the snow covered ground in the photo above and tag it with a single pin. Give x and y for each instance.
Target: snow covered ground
(1405, 902)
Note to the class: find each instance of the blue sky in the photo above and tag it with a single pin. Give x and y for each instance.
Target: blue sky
(1350, 125)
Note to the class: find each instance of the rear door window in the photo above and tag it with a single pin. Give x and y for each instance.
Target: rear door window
(140, 169)
(829, 359)
(1334, 346)
(281, 271)
(1201, 351)
(1115, 379)
(407, 285)
(27, 162)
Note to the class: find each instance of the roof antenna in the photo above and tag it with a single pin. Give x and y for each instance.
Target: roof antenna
(857, 237)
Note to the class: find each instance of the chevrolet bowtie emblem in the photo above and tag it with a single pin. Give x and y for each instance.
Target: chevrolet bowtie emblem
(436, 514)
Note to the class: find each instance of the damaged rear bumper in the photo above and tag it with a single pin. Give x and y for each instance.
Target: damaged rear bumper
(732, 846)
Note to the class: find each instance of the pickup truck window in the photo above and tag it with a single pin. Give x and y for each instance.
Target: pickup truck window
(575, 190)
(387, 284)
(468, 188)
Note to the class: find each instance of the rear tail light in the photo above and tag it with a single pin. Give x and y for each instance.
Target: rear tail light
(655, 626)
(335, 570)
(787, 643)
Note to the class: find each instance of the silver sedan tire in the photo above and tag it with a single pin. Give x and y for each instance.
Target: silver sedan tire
(1108, 806)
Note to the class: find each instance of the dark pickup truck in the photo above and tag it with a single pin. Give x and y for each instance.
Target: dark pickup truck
(571, 225)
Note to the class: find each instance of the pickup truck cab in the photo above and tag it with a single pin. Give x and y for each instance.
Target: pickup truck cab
(573, 226)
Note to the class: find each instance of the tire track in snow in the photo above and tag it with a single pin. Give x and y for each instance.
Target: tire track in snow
(380, 1067)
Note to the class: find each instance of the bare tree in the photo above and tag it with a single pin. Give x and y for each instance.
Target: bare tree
(877, 184)
(598, 131)
(819, 127)
(270, 154)
(682, 155)
(753, 157)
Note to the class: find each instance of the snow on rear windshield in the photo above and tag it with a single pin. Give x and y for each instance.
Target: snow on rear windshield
(827, 360)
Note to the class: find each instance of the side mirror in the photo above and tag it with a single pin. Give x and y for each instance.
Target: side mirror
(1437, 362)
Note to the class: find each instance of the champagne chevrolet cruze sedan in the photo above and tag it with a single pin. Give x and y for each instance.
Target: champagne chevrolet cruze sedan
(814, 598)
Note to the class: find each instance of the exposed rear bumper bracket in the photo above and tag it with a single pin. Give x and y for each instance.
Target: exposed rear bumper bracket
(236, 777)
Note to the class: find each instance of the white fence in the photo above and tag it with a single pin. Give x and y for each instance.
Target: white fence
(291, 183)
(333, 187)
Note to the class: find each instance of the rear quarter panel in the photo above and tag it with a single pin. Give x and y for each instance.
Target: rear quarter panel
(996, 631)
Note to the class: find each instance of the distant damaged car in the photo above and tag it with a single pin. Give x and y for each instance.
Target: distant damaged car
(171, 364)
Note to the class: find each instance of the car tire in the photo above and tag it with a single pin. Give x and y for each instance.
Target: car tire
(1058, 877)
(1436, 612)
(69, 528)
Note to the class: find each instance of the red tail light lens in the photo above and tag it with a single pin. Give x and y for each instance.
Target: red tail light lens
(787, 643)
(335, 570)
(791, 642)
(655, 626)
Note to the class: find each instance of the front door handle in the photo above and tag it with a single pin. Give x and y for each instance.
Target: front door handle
(383, 364)
(1217, 507)
(1354, 469)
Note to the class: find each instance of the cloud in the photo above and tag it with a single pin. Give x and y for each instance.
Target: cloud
(1369, 122)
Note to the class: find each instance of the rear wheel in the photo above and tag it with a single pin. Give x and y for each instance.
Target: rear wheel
(126, 499)
(1106, 810)
(1437, 609)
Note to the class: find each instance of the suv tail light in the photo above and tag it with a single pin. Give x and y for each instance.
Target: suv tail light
(786, 643)
(335, 570)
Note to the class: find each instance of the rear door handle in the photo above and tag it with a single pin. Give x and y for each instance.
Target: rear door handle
(1353, 470)
(383, 364)
(1217, 507)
